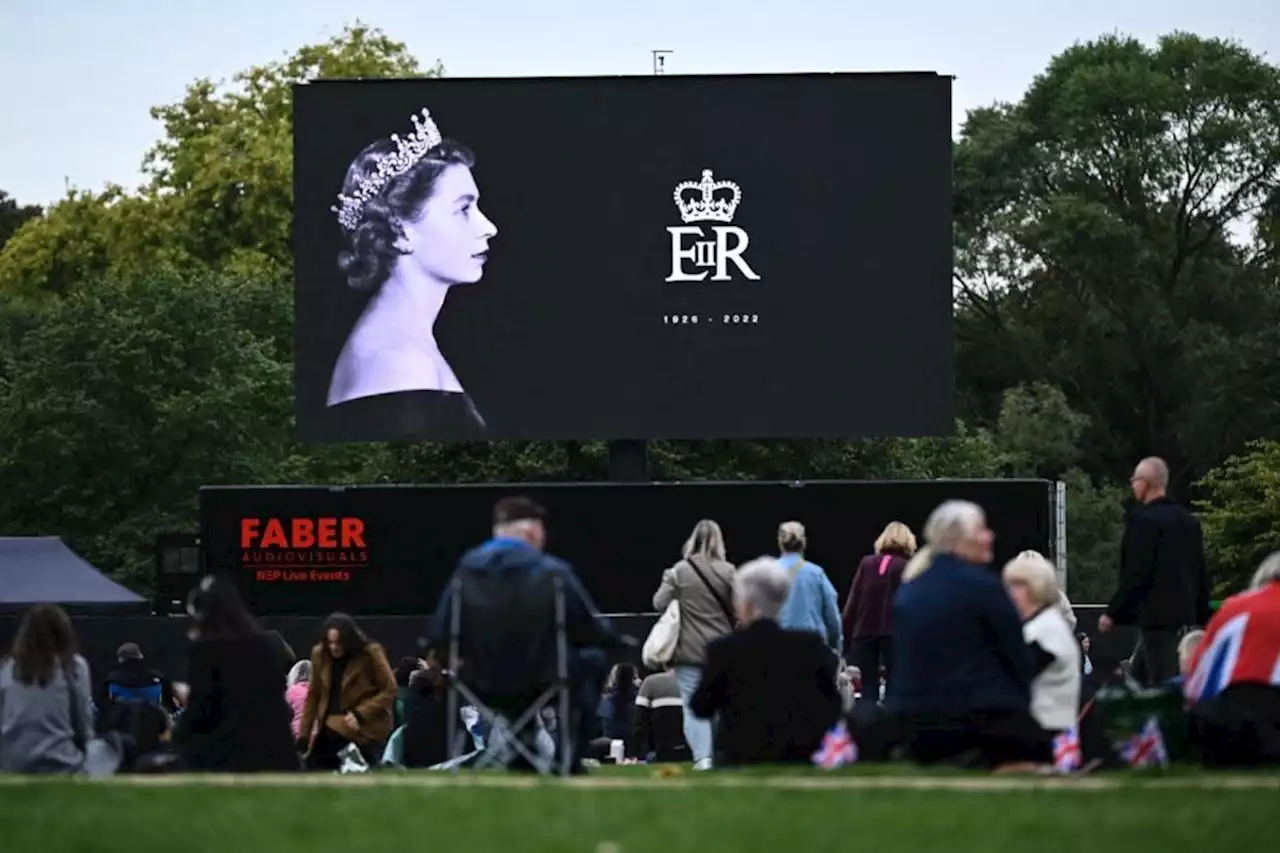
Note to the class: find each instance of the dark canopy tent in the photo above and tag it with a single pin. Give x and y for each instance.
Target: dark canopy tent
(43, 569)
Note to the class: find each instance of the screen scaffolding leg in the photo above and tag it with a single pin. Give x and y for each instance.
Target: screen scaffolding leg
(629, 461)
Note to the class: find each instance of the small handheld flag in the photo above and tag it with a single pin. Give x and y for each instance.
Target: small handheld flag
(837, 749)
(1067, 755)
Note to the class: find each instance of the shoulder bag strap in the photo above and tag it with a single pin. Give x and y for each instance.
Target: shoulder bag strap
(73, 707)
(728, 611)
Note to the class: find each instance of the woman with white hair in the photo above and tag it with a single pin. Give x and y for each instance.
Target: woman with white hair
(702, 582)
(961, 681)
(1234, 686)
(771, 689)
(1055, 691)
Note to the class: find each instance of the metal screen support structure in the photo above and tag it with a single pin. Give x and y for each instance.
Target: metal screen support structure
(1060, 531)
(629, 461)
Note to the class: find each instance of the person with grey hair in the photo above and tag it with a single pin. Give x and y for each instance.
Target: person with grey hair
(702, 582)
(516, 558)
(1234, 681)
(962, 674)
(1055, 691)
(771, 690)
(1267, 574)
(1163, 588)
(812, 604)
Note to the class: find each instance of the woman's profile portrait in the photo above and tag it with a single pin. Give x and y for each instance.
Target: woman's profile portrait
(409, 209)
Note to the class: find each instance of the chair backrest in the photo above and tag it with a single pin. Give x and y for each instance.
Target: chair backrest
(149, 695)
(509, 631)
(144, 722)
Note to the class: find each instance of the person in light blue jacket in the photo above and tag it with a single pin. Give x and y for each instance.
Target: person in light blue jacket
(811, 604)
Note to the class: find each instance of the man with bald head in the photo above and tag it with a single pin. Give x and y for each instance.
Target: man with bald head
(1164, 586)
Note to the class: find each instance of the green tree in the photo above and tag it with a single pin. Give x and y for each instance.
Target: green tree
(118, 402)
(227, 150)
(13, 215)
(1241, 514)
(219, 194)
(1095, 525)
(1039, 431)
(1099, 249)
(1039, 434)
(88, 234)
(967, 453)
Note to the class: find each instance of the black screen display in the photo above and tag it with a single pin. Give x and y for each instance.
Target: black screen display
(665, 257)
(391, 549)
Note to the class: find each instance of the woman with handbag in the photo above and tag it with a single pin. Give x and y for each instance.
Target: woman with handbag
(46, 705)
(699, 588)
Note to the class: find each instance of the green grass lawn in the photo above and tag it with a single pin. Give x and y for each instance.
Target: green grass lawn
(635, 812)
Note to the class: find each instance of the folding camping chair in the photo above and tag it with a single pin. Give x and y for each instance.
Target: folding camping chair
(509, 658)
(152, 694)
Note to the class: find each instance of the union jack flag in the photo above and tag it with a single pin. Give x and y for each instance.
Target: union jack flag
(1067, 755)
(837, 749)
(1146, 749)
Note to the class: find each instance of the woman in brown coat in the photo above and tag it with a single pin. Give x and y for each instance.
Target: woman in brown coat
(352, 696)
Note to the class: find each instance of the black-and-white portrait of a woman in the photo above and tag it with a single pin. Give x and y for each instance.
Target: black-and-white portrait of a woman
(409, 209)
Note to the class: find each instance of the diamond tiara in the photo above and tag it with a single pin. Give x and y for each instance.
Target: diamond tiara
(409, 150)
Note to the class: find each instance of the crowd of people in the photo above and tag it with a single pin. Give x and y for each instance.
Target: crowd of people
(932, 657)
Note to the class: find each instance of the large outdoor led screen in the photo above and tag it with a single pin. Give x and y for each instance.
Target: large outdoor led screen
(665, 257)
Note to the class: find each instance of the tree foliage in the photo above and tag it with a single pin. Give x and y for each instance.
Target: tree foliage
(219, 189)
(1039, 434)
(13, 215)
(121, 400)
(1099, 248)
(227, 150)
(1039, 431)
(88, 235)
(1241, 514)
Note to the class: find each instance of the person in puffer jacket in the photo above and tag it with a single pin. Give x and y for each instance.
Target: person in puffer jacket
(297, 685)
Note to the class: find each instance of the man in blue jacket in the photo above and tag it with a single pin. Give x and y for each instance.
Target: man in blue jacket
(516, 552)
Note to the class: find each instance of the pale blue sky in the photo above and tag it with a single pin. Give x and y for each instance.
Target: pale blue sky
(80, 75)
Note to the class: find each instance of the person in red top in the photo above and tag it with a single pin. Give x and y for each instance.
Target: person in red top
(868, 611)
(1234, 685)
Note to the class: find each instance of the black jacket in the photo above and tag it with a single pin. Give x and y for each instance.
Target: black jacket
(236, 718)
(136, 675)
(1163, 579)
(426, 733)
(658, 725)
(507, 619)
(773, 692)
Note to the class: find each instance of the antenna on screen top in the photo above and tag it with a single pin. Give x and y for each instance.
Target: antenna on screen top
(660, 61)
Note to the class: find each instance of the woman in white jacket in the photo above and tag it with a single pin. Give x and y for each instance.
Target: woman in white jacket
(1055, 691)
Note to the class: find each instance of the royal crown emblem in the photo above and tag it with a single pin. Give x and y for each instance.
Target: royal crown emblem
(707, 200)
(409, 150)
